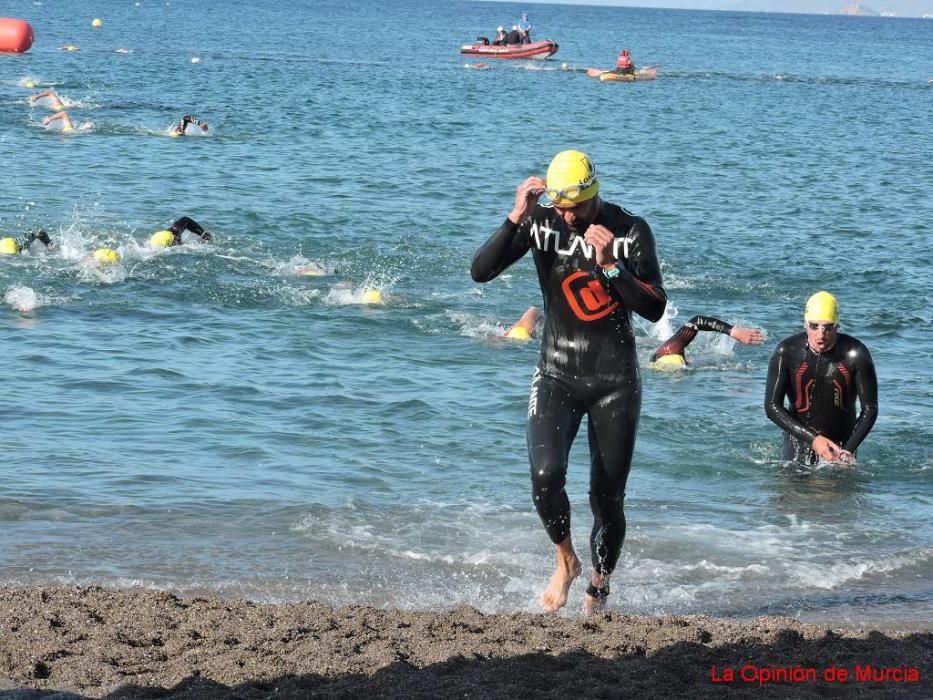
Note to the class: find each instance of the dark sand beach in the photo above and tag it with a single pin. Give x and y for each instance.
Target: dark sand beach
(93, 642)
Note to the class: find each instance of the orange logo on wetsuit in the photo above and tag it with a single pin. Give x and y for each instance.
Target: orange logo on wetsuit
(587, 297)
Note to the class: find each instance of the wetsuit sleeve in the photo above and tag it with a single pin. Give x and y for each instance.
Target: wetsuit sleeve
(866, 384)
(639, 281)
(187, 223)
(509, 243)
(775, 391)
(708, 323)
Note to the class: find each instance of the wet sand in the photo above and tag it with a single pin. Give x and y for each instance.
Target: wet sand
(92, 642)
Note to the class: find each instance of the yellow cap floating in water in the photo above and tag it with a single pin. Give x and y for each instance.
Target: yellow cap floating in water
(518, 333)
(822, 306)
(669, 363)
(8, 246)
(371, 296)
(106, 256)
(161, 239)
(96, 22)
(30, 84)
(571, 179)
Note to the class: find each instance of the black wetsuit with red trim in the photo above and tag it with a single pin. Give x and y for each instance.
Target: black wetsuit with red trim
(677, 343)
(821, 389)
(587, 364)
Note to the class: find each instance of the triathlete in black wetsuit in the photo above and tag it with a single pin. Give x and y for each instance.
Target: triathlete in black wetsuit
(172, 235)
(11, 246)
(596, 264)
(671, 353)
(821, 372)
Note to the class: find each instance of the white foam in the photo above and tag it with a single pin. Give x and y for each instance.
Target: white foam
(22, 298)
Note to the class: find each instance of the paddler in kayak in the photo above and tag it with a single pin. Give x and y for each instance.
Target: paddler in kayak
(624, 63)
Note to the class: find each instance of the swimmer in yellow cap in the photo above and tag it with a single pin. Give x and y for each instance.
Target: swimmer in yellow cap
(671, 356)
(179, 129)
(103, 257)
(67, 126)
(172, 235)
(525, 327)
(814, 380)
(12, 246)
(596, 265)
(53, 100)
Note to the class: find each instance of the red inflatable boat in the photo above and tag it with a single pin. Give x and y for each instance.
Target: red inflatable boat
(537, 49)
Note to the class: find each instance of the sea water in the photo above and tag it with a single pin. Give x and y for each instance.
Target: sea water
(203, 420)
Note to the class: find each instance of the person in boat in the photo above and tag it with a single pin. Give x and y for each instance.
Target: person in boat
(524, 29)
(67, 126)
(819, 374)
(624, 63)
(501, 36)
(12, 246)
(179, 129)
(671, 355)
(514, 36)
(55, 102)
(596, 265)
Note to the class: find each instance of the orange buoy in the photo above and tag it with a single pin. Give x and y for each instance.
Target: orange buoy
(15, 35)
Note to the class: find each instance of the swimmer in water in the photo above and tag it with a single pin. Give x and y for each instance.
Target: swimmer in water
(525, 327)
(172, 235)
(102, 257)
(179, 129)
(820, 373)
(12, 246)
(54, 101)
(67, 126)
(671, 353)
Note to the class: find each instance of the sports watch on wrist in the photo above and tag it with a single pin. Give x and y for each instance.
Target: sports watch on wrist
(611, 272)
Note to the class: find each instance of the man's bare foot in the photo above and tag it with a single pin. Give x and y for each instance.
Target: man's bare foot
(594, 600)
(554, 596)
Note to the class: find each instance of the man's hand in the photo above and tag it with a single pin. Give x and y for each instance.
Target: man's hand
(749, 336)
(601, 239)
(829, 451)
(526, 197)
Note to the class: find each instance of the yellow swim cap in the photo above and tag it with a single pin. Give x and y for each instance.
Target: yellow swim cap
(106, 256)
(669, 363)
(8, 246)
(822, 306)
(571, 179)
(518, 333)
(161, 239)
(371, 296)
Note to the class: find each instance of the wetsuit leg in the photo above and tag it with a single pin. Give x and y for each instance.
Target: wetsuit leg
(553, 420)
(613, 424)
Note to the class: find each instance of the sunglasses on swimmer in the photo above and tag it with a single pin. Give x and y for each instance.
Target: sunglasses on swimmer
(825, 327)
(570, 191)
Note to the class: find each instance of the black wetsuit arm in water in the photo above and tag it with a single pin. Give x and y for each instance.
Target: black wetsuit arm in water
(185, 223)
(676, 344)
(866, 385)
(507, 245)
(639, 281)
